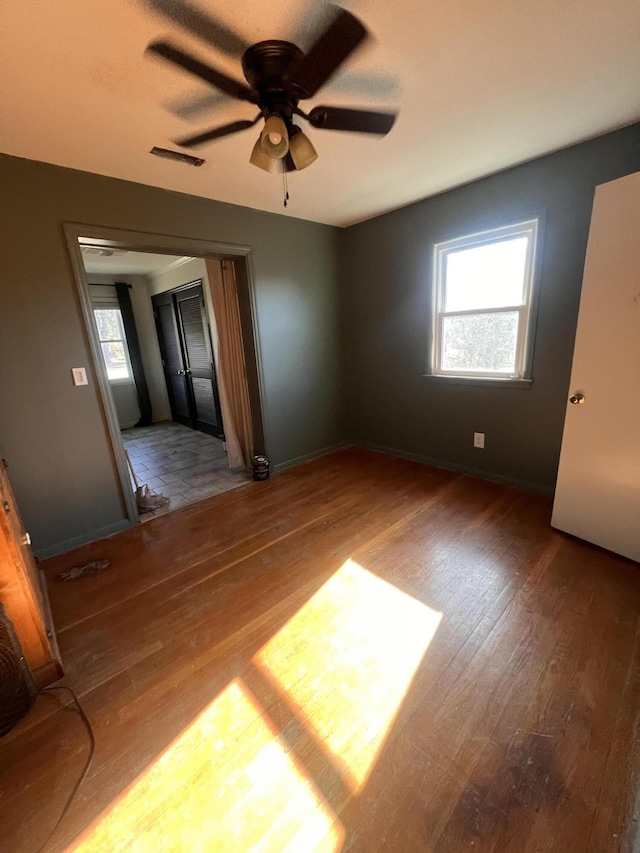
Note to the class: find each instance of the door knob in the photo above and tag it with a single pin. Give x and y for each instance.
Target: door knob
(576, 399)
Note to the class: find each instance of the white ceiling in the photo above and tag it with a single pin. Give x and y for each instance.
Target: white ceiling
(479, 86)
(121, 262)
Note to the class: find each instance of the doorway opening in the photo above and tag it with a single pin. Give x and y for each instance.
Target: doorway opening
(152, 319)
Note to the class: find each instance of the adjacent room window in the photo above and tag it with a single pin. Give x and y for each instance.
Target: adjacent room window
(483, 287)
(113, 344)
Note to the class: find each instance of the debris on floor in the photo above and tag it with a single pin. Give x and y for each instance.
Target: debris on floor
(146, 499)
(93, 568)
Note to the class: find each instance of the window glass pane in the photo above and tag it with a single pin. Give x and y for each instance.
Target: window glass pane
(109, 324)
(480, 342)
(115, 359)
(486, 276)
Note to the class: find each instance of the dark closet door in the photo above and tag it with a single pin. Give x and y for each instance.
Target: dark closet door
(187, 357)
(198, 358)
(172, 359)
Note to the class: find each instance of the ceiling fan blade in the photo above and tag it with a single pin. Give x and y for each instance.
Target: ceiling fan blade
(201, 24)
(359, 121)
(194, 106)
(375, 86)
(205, 72)
(216, 133)
(343, 35)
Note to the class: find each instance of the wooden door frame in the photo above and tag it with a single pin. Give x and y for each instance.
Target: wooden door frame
(77, 235)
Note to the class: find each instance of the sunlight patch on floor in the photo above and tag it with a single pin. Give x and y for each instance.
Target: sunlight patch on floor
(345, 662)
(226, 784)
(229, 782)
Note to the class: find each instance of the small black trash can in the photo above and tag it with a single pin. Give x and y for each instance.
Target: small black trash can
(261, 467)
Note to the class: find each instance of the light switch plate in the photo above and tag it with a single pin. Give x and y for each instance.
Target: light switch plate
(79, 376)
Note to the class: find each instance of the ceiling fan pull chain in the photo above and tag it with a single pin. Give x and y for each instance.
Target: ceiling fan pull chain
(285, 186)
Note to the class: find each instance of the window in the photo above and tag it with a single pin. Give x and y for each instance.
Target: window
(113, 344)
(483, 287)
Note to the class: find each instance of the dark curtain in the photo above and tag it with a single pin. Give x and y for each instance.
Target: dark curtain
(129, 323)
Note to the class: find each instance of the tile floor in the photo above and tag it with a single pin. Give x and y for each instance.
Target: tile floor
(181, 463)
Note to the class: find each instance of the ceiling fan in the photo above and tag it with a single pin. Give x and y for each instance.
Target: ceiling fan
(279, 75)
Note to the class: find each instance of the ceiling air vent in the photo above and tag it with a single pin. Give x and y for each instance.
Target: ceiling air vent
(177, 155)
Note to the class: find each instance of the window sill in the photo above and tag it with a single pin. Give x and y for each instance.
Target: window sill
(479, 382)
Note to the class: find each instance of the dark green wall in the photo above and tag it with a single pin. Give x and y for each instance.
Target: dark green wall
(51, 432)
(319, 291)
(385, 269)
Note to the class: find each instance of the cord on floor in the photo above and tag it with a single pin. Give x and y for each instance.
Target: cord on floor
(83, 775)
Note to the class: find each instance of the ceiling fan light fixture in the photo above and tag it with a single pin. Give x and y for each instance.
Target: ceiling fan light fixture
(278, 75)
(274, 137)
(262, 160)
(302, 151)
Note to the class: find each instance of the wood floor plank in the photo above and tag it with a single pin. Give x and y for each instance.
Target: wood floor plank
(112, 642)
(517, 731)
(618, 796)
(153, 552)
(518, 777)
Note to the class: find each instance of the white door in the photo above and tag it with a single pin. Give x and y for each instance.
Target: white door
(598, 489)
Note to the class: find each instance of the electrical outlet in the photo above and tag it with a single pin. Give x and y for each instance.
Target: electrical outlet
(478, 440)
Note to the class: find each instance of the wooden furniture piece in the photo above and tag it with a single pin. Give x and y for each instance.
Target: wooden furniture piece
(23, 592)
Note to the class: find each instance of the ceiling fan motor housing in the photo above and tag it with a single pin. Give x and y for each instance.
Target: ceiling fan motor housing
(265, 66)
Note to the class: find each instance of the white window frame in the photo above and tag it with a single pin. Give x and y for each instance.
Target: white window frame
(104, 305)
(527, 229)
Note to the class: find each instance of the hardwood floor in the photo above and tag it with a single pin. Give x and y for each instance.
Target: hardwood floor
(361, 654)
